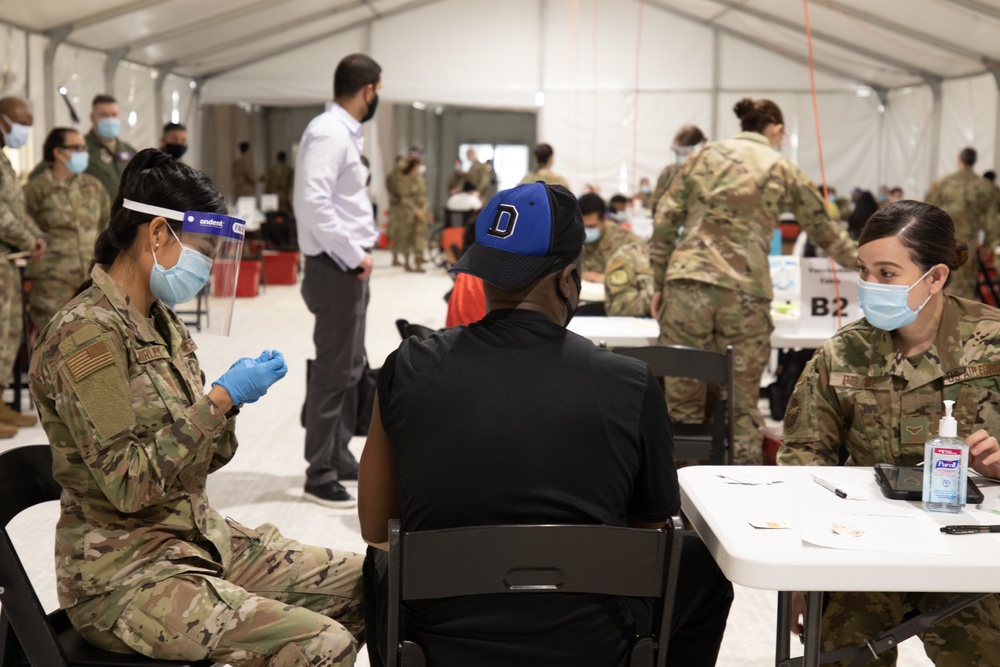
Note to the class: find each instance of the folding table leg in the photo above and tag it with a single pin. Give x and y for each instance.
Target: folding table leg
(814, 621)
(783, 641)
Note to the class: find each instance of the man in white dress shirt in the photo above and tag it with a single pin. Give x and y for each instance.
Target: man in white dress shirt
(336, 230)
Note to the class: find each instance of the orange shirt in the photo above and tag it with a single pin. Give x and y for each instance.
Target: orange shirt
(468, 301)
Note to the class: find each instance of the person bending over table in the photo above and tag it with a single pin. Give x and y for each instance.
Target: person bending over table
(143, 562)
(876, 389)
(515, 420)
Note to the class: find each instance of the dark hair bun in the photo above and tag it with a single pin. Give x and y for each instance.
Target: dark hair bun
(743, 108)
(961, 255)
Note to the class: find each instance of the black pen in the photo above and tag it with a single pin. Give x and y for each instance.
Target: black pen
(970, 530)
(830, 487)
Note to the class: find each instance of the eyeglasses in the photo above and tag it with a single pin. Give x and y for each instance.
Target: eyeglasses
(75, 148)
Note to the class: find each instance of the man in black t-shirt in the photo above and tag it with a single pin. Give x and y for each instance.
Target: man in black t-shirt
(515, 420)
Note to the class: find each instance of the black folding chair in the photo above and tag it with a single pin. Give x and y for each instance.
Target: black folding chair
(712, 441)
(592, 309)
(27, 635)
(407, 329)
(533, 560)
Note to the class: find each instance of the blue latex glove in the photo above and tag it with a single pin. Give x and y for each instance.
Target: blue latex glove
(249, 379)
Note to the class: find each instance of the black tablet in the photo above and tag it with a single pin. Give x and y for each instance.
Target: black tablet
(907, 483)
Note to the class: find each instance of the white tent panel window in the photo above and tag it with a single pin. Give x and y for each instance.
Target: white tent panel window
(135, 92)
(968, 119)
(908, 140)
(13, 61)
(81, 73)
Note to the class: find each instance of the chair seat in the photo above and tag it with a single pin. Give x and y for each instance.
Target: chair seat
(80, 653)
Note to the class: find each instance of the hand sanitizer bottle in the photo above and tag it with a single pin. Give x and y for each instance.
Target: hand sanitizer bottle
(946, 462)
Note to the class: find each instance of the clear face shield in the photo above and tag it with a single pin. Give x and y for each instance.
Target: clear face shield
(212, 236)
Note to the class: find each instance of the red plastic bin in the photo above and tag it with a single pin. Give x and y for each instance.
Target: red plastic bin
(281, 267)
(248, 281)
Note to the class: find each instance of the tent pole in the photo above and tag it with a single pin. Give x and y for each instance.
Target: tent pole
(935, 85)
(716, 80)
(161, 80)
(883, 109)
(110, 67)
(49, 94)
(994, 67)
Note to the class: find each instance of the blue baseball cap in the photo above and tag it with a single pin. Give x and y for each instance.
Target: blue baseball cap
(524, 233)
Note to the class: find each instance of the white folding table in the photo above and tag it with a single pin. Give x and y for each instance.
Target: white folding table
(617, 331)
(779, 560)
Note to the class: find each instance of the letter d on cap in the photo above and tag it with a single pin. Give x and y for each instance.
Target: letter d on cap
(507, 217)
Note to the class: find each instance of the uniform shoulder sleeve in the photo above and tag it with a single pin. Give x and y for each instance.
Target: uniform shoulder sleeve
(814, 424)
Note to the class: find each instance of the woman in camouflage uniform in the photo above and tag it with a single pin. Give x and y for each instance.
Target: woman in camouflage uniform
(714, 282)
(71, 208)
(143, 562)
(412, 229)
(877, 390)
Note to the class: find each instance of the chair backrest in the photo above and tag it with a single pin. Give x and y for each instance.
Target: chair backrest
(532, 559)
(681, 361)
(25, 481)
(592, 309)
(407, 329)
(458, 218)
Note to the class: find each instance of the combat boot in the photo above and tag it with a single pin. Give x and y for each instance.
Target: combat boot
(11, 417)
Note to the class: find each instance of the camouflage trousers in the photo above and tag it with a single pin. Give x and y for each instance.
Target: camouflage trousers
(969, 638)
(392, 227)
(304, 609)
(411, 238)
(50, 293)
(708, 317)
(11, 322)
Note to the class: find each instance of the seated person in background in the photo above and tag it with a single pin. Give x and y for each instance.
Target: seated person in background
(628, 282)
(618, 208)
(466, 200)
(877, 389)
(144, 563)
(576, 435)
(602, 238)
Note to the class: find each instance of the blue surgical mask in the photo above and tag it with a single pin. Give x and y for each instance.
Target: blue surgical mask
(591, 235)
(78, 162)
(18, 134)
(887, 307)
(109, 128)
(181, 282)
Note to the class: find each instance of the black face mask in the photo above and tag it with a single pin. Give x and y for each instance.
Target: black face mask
(176, 151)
(570, 310)
(371, 109)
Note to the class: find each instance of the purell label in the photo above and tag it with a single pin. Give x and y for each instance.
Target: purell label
(947, 465)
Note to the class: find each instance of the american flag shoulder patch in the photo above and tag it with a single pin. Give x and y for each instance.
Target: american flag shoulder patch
(89, 360)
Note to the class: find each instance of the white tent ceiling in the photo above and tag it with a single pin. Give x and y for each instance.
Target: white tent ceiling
(888, 44)
(616, 76)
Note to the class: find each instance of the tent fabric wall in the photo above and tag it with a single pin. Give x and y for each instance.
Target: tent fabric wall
(609, 114)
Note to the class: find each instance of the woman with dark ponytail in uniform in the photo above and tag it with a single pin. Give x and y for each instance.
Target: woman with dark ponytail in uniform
(876, 390)
(143, 562)
(714, 282)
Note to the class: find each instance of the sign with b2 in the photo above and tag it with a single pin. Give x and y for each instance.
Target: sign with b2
(827, 289)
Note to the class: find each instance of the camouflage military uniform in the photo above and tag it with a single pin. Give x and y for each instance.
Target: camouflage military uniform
(244, 176)
(479, 175)
(545, 176)
(860, 391)
(142, 561)
(69, 213)
(106, 165)
(597, 254)
(971, 203)
(411, 232)
(628, 281)
(17, 233)
(716, 279)
(279, 182)
(456, 181)
(395, 205)
(662, 183)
